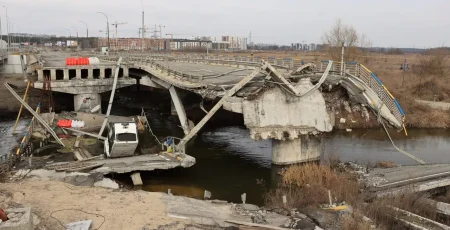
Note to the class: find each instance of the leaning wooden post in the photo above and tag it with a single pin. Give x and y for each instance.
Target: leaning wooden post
(21, 108)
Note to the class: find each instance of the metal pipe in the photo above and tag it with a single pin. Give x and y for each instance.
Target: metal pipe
(111, 98)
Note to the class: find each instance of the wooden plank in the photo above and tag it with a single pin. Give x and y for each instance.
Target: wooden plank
(78, 155)
(87, 154)
(39, 118)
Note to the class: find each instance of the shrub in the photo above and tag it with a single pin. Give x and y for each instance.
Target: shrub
(308, 185)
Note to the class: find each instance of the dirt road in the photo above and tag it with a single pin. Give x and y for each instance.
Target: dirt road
(56, 202)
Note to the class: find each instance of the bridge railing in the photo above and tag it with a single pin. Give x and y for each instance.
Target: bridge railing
(352, 68)
(368, 77)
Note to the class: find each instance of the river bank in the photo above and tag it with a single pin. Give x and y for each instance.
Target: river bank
(332, 195)
(57, 200)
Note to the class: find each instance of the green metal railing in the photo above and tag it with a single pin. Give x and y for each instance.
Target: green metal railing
(368, 77)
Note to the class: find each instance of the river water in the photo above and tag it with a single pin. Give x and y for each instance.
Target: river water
(229, 163)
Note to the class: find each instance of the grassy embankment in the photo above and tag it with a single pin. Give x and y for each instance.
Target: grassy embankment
(307, 186)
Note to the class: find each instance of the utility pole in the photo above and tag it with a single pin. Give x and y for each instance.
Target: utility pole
(76, 30)
(117, 38)
(160, 31)
(87, 35)
(342, 58)
(7, 26)
(143, 27)
(1, 32)
(250, 39)
(87, 29)
(404, 67)
(107, 27)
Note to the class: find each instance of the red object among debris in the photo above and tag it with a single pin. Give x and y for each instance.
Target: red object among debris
(3, 216)
(63, 136)
(71, 61)
(64, 123)
(83, 61)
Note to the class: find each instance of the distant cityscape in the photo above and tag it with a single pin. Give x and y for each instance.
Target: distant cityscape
(197, 43)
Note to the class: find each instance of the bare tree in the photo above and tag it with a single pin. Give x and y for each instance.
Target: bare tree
(342, 34)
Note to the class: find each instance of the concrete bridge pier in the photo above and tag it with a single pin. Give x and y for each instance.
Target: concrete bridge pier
(177, 105)
(306, 148)
(86, 102)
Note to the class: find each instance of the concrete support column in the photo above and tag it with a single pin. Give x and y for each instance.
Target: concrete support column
(78, 73)
(90, 73)
(173, 110)
(53, 74)
(126, 71)
(179, 109)
(86, 102)
(66, 74)
(305, 149)
(102, 73)
(40, 74)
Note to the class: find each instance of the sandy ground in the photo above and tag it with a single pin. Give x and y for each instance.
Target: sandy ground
(121, 210)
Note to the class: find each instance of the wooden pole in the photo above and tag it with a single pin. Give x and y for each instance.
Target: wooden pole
(21, 108)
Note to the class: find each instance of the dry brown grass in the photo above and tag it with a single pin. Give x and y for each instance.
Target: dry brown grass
(308, 185)
(434, 62)
(353, 222)
(417, 203)
(422, 116)
(385, 164)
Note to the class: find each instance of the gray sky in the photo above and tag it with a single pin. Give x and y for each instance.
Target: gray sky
(396, 23)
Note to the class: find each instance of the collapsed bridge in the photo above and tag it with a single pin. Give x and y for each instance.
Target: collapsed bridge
(277, 98)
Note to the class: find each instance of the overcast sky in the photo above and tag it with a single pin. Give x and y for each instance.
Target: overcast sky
(390, 23)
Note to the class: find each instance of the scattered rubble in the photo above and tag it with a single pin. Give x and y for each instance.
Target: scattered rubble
(18, 218)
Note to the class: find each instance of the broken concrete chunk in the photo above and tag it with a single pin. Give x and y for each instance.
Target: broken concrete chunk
(80, 225)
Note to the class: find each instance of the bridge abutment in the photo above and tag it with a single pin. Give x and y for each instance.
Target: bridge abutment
(307, 148)
(86, 102)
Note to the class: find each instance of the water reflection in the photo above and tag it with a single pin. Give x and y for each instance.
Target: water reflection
(229, 162)
(432, 146)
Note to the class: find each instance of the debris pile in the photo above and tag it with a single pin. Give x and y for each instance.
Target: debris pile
(18, 218)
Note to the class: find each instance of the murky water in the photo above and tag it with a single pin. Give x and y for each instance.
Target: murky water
(229, 163)
(8, 139)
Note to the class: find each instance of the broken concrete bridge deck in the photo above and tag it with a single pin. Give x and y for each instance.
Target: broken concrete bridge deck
(212, 74)
(414, 178)
(147, 162)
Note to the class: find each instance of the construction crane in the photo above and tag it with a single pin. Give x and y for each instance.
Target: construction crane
(117, 37)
